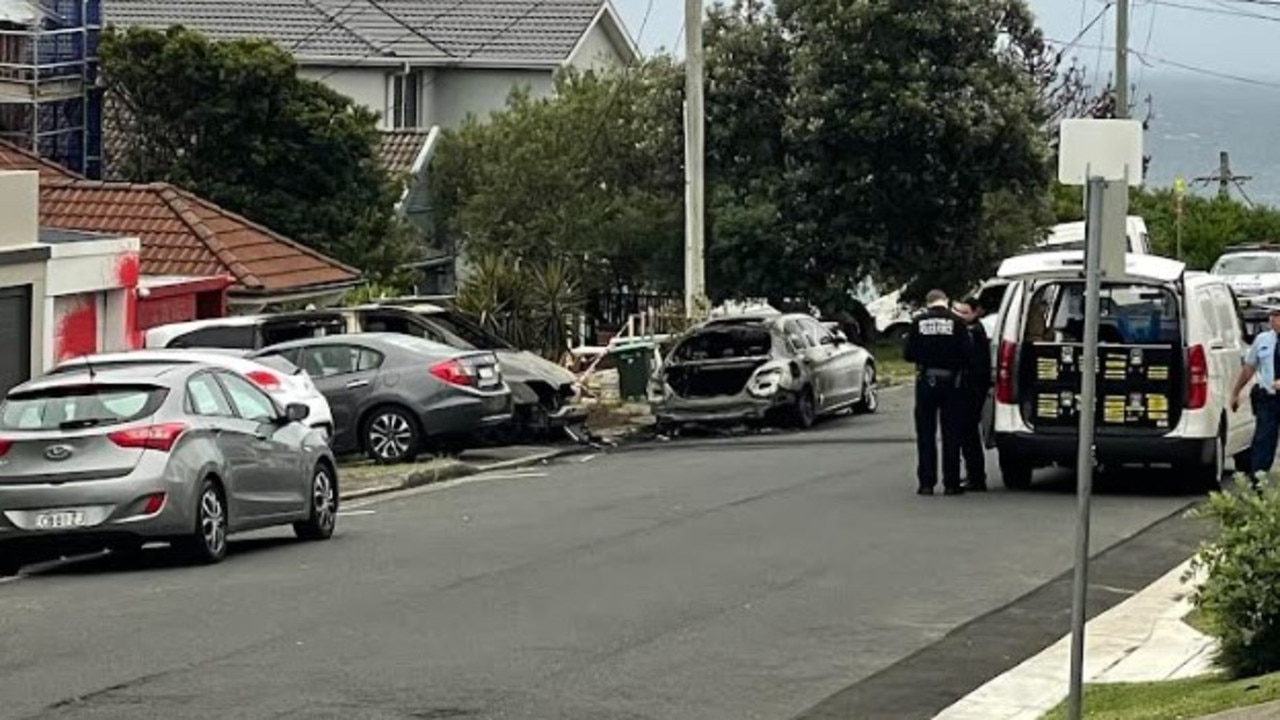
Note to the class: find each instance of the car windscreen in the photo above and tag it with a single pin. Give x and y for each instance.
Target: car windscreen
(288, 329)
(68, 407)
(1247, 265)
(1131, 314)
(278, 362)
(725, 342)
(475, 336)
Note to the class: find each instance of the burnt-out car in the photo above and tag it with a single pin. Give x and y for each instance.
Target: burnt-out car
(784, 369)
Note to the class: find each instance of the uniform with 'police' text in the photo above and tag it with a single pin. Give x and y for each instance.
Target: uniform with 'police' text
(939, 345)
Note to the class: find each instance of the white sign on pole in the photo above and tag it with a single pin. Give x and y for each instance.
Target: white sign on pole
(1109, 149)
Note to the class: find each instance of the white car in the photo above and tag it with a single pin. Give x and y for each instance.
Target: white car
(1170, 346)
(1251, 270)
(284, 381)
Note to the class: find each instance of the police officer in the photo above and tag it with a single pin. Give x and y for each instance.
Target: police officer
(1262, 361)
(977, 385)
(938, 344)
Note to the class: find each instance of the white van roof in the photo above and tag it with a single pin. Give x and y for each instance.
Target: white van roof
(1069, 264)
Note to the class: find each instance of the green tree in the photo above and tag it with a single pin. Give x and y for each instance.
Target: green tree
(232, 122)
(749, 249)
(907, 115)
(1209, 224)
(591, 175)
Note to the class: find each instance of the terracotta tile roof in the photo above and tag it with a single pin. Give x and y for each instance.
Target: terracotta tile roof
(181, 234)
(13, 157)
(397, 149)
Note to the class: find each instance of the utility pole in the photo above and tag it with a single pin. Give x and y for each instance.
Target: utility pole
(1122, 59)
(1224, 177)
(694, 159)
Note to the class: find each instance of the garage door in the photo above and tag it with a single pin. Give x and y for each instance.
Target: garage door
(15, 336)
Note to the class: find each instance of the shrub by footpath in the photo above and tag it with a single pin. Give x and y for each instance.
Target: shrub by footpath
(1239, 597)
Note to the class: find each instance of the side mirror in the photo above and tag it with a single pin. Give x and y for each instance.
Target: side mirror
(839, 337)
(296, 412)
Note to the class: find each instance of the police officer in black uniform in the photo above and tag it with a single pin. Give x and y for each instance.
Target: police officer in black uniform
(939, 345)
(977, 386)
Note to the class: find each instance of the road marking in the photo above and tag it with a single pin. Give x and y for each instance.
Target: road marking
(441, 486)
(350, 513)
(588, 458)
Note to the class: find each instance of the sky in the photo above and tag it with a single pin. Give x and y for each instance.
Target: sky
(1229, 40)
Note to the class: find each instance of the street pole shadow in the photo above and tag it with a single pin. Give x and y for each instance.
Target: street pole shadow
(1119, 482)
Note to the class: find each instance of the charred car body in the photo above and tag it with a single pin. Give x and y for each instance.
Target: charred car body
(767, 368)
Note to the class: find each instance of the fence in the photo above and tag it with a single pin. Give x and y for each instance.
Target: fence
(608, 312)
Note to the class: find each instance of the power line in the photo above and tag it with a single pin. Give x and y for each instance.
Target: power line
(412, 30)
(1220, 11)
(1086, 27)
(1150, 59)
(328, 22)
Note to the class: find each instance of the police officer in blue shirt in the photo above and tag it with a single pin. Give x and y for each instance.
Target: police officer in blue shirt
(1262, 361)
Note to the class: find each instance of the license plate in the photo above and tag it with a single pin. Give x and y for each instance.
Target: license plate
(60, 519)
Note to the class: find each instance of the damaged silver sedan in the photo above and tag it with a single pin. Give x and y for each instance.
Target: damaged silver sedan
(775, 369)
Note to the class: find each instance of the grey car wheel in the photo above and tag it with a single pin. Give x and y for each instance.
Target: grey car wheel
(870, 400)
(208, 541)
(391, 436)
(805, 412)
(324, 506)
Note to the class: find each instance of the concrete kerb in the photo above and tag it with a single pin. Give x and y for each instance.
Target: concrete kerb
(456, 470)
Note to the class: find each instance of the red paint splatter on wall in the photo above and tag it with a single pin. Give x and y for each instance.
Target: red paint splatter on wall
(77, 331)
(127, 272)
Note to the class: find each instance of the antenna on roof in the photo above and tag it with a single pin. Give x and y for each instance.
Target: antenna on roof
(89, 364)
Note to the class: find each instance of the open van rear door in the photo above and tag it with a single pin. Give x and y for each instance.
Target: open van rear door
(1069, 265)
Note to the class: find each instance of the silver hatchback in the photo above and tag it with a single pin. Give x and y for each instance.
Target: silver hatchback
(182, 453)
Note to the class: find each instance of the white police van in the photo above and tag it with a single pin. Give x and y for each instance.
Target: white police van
(1172, 342)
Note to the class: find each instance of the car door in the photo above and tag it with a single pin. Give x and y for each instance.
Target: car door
(345, 374)
(1240, 424)
(843, 369)
(207, 401)
(818, 358)
(278, 484)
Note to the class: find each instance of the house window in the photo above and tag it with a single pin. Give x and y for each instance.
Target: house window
(406, 100)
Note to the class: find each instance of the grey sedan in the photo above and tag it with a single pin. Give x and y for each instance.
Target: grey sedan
(394, 395)
(183, 453)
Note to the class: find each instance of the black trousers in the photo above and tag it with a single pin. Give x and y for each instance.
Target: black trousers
(975, 455)
(940, 405)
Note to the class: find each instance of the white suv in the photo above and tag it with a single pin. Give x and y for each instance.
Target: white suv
(1171, 347)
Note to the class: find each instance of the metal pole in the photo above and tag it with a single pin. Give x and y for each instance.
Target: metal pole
(1084, 451)
(1122, 59)
(694, 158)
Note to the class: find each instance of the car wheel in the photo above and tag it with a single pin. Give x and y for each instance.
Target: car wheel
(324, 506)
(207, 543)
(805, 412)
(391, 436)
(10, 564)
(870, 401)
(1015, 472)
(1242, 462)
(1208, 477)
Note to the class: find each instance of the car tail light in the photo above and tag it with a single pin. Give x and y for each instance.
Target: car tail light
(453, 372)
(152, 437)
(264, 379)
(154, 504)
(1197, 378)
(4, 446)
(1004, 372)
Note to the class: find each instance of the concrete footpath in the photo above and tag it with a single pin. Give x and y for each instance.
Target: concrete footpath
(1140, 640)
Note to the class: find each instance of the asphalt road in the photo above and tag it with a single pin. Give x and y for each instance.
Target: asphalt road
(723, 579)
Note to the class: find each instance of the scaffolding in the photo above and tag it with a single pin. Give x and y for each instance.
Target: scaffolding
(50, 98)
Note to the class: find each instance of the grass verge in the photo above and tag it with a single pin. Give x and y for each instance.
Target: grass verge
(1173, 699)
(893, 369)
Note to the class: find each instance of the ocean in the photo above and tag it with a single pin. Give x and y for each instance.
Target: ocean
(1196, 118)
